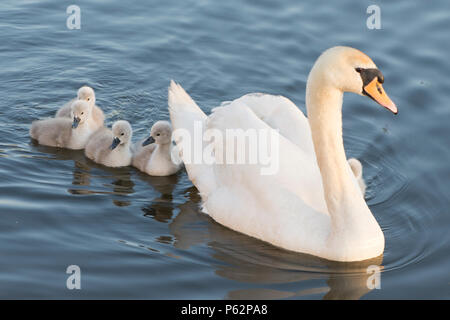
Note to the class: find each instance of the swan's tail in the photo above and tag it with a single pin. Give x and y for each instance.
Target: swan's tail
(180, 101)
(189, 123)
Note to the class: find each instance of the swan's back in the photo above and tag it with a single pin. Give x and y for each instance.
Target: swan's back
(54, 132)
(99, 144)
(64, 111)
(281, 114)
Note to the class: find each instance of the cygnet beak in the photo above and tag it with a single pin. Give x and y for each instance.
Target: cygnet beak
(148, 141)
(115, 143)
(76, 122)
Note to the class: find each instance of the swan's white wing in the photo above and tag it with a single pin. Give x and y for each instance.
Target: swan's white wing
(292, 168)
(274, 215)
(282, 114)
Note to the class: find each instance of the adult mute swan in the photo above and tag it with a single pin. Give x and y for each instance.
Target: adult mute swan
(156, 154)
(313, 203)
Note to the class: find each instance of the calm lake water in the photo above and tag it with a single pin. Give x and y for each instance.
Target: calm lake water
(136, 236)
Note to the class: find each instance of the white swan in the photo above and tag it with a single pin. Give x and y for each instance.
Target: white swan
(64, 132)
(112, 148)
(155, 155)
(313, 204)
(87, 94)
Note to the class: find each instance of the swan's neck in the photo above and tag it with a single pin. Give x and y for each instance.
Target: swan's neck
(164, 149)
(125, 147)
(344, 200)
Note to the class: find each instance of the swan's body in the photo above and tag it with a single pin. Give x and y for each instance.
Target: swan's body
(64, 132)
(155, 155)
(111, 148)
(313, 203)
(87, 94)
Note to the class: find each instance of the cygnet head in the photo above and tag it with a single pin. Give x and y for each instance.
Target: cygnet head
(349, 70)
(80, 111)
(161, 133)
(122, 133)
(87, 94)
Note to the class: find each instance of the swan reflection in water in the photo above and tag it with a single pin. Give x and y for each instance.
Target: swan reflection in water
(162, 207)
(277, 273)
(113, 181)
(248, 260)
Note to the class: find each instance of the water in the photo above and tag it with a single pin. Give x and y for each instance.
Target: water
(136, 236)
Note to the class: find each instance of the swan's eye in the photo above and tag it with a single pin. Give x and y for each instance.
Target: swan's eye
(88, 99)
(122, 134)
(82, 113)
(358, 70)
(158, 134)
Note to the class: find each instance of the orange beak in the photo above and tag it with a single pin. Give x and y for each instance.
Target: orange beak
(375, 90)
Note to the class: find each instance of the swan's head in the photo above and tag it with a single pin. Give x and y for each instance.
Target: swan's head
(80, 112)
(122, 133)
(350, 70)
(161, 133)
(87, 94)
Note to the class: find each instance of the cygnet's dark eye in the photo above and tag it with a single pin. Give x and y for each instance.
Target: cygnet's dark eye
(88, 99)
(122, 134)
(82, 113)
(158, 134)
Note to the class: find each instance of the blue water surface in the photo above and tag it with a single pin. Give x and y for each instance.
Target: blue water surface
(136, 236)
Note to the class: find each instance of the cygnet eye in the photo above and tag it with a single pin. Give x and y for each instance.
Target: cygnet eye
(158, 134)
(122, 134)
(88, 99)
